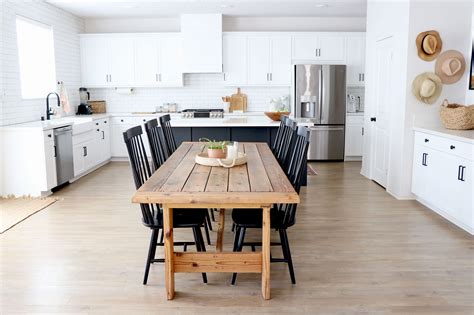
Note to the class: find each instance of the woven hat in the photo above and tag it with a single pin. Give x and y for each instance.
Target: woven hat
(427, 87)
(429, 45)
(450, 66)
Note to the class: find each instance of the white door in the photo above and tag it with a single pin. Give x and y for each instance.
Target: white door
(121, 56)
(383, 102)
(331, 47)
(259, 60)
(171, 61)
(235, 59)
(94, 61)
(280, 67)
(305, 47)
(355, 60)
(146, 61)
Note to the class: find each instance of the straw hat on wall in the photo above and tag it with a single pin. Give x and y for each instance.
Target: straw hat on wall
(427, 87)
(429, 45)
(450, 66)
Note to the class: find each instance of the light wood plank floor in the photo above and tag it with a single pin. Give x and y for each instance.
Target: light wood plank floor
(356, 251)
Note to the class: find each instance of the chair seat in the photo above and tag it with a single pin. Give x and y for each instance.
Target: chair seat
(183, 218)
(252, 218)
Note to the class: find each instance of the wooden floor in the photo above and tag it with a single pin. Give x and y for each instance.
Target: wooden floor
(356, 250)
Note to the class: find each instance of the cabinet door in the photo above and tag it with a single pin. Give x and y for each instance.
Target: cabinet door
(146, 61)
(280, 67)
(170, 71)
(331, 47)
(50, 159)
(121, 58)
(105, 144)
(235, 60)
(426, 179)
(78, 154)
(91, 153)
(355, 60)
(304, 47)
(94, 61)
(258, 60)
(457, 183)
(354, 140)
(251, 134)
(118, 147)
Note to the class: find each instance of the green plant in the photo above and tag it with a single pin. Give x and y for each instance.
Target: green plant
(213, 144)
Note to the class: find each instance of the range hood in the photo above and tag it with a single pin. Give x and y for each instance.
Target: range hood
(202, 43)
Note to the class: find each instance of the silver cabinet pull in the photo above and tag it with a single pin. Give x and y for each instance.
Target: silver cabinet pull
(156, 77)
(271, 76)
(224, 76)
(159, 77)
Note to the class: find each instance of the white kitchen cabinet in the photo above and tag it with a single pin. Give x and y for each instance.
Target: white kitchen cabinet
(235, 59)
(280, 60)
(158, 60)
(101, 141)
(118, 126)
(354, 136)
(107, 60)
(355, 59)
(258, 60)
(318, 47)
(28, 163)
(202, 42)
(442, 177)
(84, 152)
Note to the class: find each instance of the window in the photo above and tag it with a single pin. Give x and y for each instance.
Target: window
(36, 56)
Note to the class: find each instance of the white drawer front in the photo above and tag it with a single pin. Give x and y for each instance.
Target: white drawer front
(461, 149)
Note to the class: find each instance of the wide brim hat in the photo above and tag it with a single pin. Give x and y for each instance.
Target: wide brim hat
(427, 87)
(429, 45)
(450, 66)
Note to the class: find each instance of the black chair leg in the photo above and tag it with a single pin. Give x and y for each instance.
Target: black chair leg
(233, 227)
(213, 218)
(200, 246)
(206, 230)
(287, 254)
(162, 235)
(208, 220)
(151, 254)
(240, 243)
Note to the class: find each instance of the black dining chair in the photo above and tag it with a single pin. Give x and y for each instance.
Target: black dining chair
(158, 149)
(159, 154)
(282, 216)
(168, 133)
(152, 214)
(287, 137)
(277, 141)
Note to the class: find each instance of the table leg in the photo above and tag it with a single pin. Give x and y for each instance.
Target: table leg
(220, 230)
(169, 251)
(266, 253)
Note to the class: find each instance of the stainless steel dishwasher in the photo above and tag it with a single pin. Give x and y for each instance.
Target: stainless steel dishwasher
(63, 154)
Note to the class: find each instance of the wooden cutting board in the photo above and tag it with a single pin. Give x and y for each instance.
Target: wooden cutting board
(238, 102)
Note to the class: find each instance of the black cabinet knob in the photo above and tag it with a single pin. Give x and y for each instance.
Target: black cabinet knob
(452, 147)
(373, 118)
(98, 129)
(49, 136)
(427, 140)
(105, 121)
(121, 120)
(96, 124)
(144, 120)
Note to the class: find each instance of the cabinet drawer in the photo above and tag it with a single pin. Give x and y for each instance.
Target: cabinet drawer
(461, 149)
(355, 120)
(101, 122)
(48, 136)
(83, 137)
(123, 120)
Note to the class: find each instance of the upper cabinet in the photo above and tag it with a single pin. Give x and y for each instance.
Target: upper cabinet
(202, 42)
(355, 59)
(131, 60)
(319, 47)
(158, 60)
(257, 60)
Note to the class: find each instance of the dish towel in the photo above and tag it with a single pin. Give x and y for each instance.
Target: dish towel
(64, 98)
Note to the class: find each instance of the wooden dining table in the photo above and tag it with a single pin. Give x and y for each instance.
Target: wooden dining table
(182, 183)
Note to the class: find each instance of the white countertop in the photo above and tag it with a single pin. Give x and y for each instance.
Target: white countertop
(458, 135)
(248, 119)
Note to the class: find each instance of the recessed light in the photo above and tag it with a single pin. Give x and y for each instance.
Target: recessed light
(321, 5)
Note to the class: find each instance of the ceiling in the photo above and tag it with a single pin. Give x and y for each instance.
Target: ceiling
(169, 8)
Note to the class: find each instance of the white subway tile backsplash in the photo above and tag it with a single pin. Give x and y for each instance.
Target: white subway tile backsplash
(66, 27)
(200, 91)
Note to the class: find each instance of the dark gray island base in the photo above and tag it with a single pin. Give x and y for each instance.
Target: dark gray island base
(241, 134)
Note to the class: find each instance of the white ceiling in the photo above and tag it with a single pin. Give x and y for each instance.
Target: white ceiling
(169, 8)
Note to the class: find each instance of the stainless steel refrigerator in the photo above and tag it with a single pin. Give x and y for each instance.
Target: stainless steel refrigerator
(319, 100)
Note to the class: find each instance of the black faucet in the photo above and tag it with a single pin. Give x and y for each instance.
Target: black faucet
(48, 109)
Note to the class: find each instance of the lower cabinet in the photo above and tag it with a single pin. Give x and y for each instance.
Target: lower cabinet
(212, 133)
(442, 177)
(84, 152)
(251, 134)
(182, 134)
(354, 136)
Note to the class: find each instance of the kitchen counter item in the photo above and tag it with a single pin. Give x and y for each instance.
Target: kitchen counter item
(457, 117)
(238, 102)
(276, 116)
(97, 107)
(203, 159)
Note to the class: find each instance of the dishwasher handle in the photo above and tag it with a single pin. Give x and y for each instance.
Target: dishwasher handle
(326, 128)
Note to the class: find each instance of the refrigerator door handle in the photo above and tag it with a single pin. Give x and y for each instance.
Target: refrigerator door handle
(323, 128)
(321, 95)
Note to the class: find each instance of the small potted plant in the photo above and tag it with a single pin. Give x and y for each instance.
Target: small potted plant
(215, 149)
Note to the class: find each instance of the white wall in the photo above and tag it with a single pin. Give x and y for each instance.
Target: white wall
(230, 24)
(404, 20)
(199, 91)
(66, 28)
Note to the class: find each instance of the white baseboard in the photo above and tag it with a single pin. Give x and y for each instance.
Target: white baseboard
(352, 158)
(398, 197)
(447, 216)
